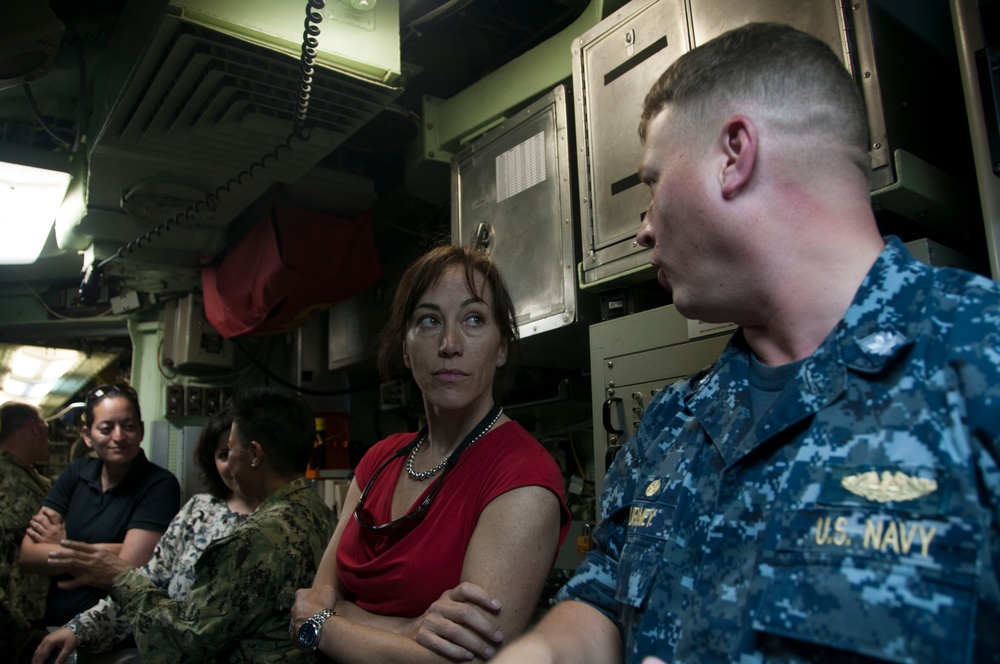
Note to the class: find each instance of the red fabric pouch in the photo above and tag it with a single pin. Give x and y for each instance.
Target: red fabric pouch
(292, 265)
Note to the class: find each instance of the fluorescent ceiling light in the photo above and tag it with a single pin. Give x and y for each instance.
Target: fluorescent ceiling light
(59, 367)
(33, 372)
(17, 389)
(23, 364)
(29, 200)
(39, 390)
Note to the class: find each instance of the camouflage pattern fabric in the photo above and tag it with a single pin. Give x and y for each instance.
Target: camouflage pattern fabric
(203, 519)
(22, 595)
(238, 607)
(858, 519)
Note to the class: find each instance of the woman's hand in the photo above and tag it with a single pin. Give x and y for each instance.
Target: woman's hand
(47, 527)
(309, 602)
(458, 626)
(90, 564)
(62, 641)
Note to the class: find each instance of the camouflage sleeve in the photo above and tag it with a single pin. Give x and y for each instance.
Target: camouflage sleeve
(11, 622)
(105, 624)
(594, 580)
(226, 600)
(598, 578)
(10, 524)
(19, 501)
(162, 631)
(100, 627)
(22, 498)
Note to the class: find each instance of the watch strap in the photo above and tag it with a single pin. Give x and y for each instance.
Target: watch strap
(322, 617)
(316, 623)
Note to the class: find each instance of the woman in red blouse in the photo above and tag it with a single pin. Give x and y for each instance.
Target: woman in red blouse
(456, 526)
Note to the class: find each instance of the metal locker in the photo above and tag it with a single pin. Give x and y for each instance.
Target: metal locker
(511, 195)
(614, 63)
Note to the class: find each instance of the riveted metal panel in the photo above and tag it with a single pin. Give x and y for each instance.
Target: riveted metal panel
(614, 64)
(511, 195)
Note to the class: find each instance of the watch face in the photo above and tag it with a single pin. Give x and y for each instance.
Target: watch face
(308, 635)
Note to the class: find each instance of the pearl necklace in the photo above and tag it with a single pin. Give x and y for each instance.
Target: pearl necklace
(420, 477)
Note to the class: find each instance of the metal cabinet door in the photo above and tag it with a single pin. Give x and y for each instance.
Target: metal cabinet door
(511, 194)
(614, 64)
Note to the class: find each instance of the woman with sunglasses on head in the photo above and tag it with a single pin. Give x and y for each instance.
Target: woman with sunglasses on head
(117, 499)
(205, 518)
(455, 527)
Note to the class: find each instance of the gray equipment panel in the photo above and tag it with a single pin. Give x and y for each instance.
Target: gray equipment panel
(915, 154)
(511, 195)
(173, 449)
(633, 357)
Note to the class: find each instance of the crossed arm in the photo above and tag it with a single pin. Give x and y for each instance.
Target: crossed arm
(505, 567)
(572, 633)
(90, 565)
(48, 529)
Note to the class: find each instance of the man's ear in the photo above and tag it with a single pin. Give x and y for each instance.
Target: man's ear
(739, 141)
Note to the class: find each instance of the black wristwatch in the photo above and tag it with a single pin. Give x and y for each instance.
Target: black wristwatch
(309, 632)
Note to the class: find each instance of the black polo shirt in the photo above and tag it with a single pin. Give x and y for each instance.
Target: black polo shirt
(147, 498)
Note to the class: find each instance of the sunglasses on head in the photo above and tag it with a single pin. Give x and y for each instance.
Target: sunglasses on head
(102, 391)
(397, 528)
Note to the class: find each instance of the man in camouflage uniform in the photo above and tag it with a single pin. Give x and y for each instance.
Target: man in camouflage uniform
(24, 442)
(238, 607)
(828, 490)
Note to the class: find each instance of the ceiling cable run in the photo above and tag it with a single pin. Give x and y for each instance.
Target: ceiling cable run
(81, 117)
(33, 105)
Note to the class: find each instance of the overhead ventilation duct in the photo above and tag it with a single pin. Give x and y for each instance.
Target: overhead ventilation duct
(195, 91)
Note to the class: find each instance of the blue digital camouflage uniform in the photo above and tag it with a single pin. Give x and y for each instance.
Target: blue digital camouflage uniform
(238, 608)
(858, 519)
(22, 595)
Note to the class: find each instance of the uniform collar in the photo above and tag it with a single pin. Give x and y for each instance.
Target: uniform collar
(282, 494)
(886, 311)
(28, 468)
(879, 324)
(4, 454)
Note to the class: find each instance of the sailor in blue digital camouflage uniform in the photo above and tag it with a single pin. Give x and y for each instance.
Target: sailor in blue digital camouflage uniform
(828, 489)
